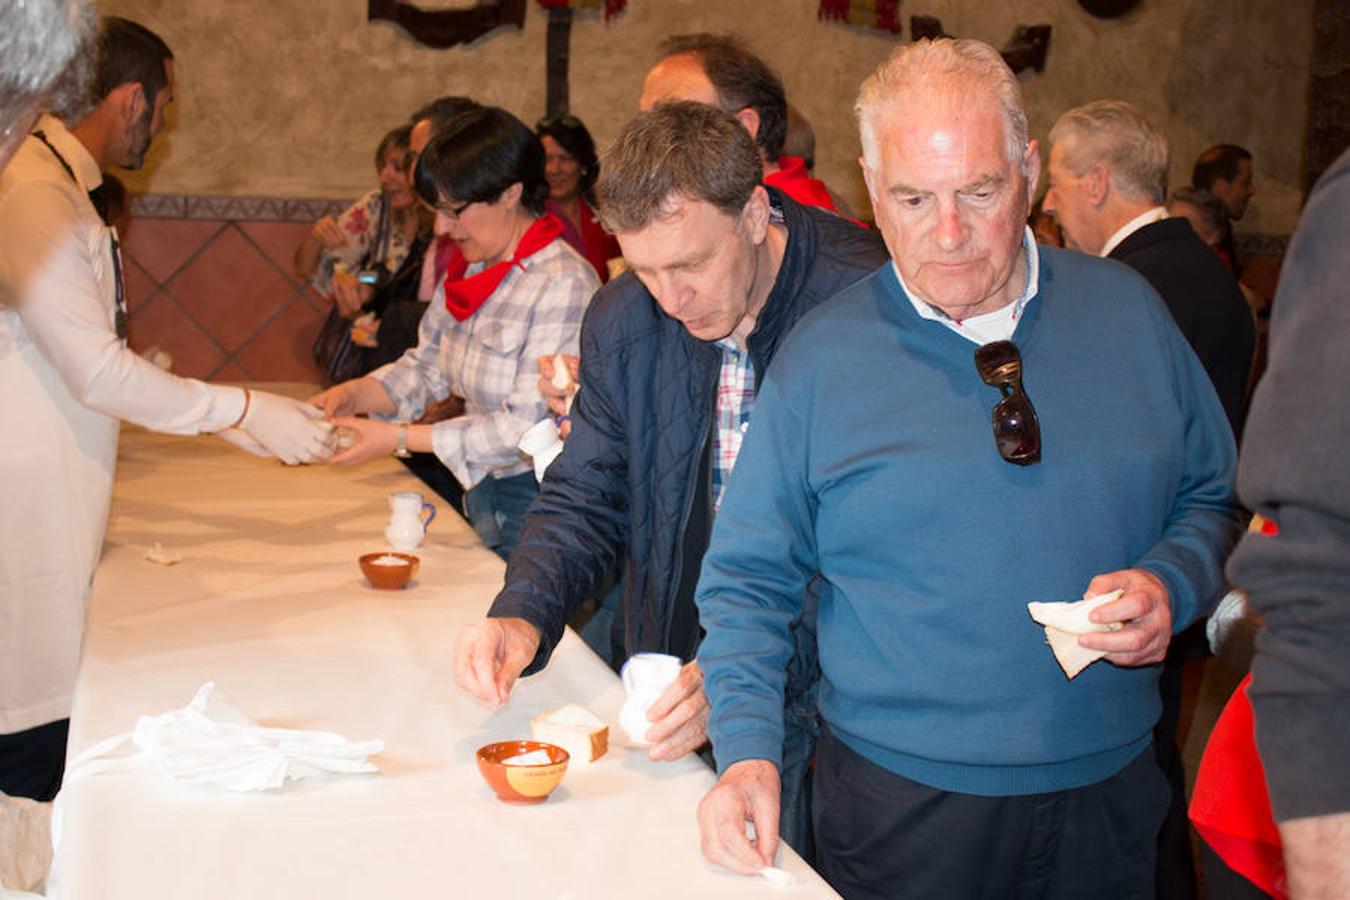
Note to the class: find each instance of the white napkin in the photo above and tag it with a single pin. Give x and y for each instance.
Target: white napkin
(543, 443)
(209, 741)
(1064, 622)
(645, 677)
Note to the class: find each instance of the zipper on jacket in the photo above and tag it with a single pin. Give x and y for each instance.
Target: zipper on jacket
(674, 596)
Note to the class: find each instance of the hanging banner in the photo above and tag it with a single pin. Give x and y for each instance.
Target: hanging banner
(611, 7)
(882, 14)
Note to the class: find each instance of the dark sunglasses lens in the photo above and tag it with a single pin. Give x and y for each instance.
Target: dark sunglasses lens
(1016, 430)
(999, 363)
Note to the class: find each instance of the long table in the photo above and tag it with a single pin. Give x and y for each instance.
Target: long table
(269, 604)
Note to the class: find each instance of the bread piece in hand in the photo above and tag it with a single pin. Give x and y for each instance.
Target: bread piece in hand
(576, 729)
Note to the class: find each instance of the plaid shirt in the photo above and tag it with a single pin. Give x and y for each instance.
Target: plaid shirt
(735, 400)
(490, 359)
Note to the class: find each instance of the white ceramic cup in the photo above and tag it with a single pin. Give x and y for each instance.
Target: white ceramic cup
(645, 677)
(406, 526)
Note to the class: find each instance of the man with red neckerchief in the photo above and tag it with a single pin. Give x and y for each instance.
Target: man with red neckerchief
(720, 71)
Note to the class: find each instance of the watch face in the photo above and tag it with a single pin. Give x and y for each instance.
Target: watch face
(1108, 9)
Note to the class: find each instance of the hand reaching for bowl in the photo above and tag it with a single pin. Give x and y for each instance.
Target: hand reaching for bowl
(491, 654)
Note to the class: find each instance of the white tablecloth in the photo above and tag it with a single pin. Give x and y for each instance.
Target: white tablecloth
(269, 603)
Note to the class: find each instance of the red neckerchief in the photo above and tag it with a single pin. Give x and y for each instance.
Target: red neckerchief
(793, 180)
(464, 296)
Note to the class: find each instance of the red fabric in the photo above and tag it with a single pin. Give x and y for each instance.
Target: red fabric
(883, 14)
(612, 7)
(464, 296)
(793, 180)
(1231, 806)
(599, 246)
(450, 262)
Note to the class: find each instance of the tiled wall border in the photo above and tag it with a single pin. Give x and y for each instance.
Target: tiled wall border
(303, 209)
(1261, 244)
(251, 209)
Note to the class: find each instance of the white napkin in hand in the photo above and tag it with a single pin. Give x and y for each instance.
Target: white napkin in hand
(1064, 622)
(211, 742)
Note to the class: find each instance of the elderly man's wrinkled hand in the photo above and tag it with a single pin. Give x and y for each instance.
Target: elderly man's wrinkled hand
(491, 654)
(1144, 611)
(748, 791)
(679, 716)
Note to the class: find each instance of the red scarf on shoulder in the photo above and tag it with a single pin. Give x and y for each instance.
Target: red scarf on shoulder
(463, 296)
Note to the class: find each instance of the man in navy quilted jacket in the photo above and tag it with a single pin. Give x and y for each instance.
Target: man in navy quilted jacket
(672, 352)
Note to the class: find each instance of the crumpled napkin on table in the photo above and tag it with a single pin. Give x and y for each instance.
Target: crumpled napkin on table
(210, 741)
(1064, 622)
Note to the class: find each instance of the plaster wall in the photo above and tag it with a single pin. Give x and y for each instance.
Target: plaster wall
(288, 98)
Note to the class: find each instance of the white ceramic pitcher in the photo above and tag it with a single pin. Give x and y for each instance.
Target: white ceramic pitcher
(406, 526)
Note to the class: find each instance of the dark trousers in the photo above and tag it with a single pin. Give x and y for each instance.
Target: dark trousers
(881, 835)
(33, 761)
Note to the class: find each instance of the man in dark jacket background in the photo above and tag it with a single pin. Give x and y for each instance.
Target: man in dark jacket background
(1108, 172)
(672, 352)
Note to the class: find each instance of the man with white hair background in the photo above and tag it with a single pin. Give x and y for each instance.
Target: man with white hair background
(38, 40)
(1108, 179)
(956, 759)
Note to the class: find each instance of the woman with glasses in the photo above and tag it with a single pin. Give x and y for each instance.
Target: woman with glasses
(571, 168)
(521, 298)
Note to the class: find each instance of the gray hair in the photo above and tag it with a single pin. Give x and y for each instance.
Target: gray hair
(1116, 134)
(680, 150)
(1213, 212)
(46, 50)
(947, 69)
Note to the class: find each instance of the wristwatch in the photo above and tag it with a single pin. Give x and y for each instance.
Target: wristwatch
(402, 451)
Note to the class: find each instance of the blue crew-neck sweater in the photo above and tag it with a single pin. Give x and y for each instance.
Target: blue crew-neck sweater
(872, 462)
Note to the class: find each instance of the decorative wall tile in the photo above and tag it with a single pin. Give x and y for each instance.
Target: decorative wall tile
(162, 323)
(278, 240)
(282, 348)
(232, 372)
(321, 304)
(162, 246)
(254, 209)
(231, 288)
(139, 285)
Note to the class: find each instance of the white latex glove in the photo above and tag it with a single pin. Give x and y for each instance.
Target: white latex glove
(244, 441)
(292, 430)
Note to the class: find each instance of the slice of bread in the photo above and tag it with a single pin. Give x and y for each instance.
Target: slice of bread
(576, 729)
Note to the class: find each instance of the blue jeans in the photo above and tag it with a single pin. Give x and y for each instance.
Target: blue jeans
(495, 507)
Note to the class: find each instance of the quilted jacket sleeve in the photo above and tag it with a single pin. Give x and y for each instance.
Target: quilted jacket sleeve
(577, 527)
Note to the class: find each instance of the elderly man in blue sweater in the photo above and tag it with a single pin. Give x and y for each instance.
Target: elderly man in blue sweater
(957, 760)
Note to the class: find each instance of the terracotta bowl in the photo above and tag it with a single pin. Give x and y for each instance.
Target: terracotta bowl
(388, 577)
(521, 784)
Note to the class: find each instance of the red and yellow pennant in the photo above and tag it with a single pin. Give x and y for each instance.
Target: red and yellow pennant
(611, 7)
(882, 14)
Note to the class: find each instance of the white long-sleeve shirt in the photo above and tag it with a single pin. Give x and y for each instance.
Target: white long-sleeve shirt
(66, 379)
